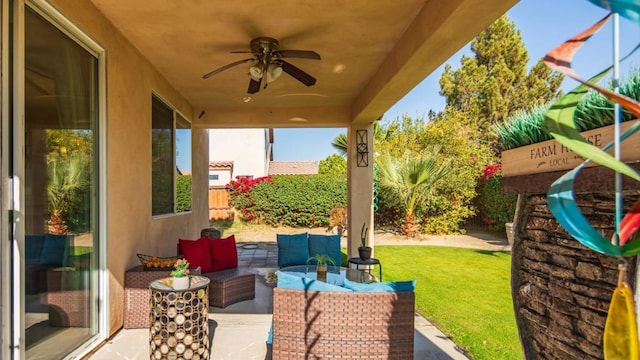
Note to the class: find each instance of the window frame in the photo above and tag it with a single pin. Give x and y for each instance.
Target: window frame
(175, 115)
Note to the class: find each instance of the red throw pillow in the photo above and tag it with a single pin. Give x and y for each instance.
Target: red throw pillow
(197, 253)
(224, 253)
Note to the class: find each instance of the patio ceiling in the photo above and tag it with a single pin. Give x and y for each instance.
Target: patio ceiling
(373, 52)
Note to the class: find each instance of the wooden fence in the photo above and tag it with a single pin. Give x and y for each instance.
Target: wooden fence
(219, 208)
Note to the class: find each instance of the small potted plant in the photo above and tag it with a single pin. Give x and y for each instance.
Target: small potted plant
(364, 251)
(180, 275)
(322, 261)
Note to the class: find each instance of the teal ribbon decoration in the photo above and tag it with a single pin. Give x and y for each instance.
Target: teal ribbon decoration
(561, 196)
(562, 203)
(629, 9)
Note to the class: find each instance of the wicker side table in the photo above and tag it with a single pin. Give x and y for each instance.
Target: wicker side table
(179, 320)
(137, 296)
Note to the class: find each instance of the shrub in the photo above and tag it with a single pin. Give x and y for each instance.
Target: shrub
(183, 193)
(290, 200)
(450, 201)
(496, 207)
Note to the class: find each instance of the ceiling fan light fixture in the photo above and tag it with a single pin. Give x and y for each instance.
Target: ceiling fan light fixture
(273, 72)
(256, 72)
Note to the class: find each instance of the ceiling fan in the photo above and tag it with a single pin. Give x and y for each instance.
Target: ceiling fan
(269, 63)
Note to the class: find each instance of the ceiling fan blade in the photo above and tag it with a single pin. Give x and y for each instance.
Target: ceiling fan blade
(254, 86)
(228, 66)
(298, 74)
(300, 54)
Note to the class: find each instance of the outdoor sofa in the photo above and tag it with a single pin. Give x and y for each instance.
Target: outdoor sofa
(315, 320)
(296, 249)
(217, 259)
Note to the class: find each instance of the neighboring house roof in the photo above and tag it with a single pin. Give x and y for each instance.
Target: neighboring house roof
(220, 165)
(293, 168)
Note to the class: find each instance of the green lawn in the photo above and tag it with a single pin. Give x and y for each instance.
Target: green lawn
(464, 292)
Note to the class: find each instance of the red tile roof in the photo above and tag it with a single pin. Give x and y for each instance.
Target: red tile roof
(220, 165)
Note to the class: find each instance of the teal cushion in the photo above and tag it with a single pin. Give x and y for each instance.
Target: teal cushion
(33, 245)
(270, 336)
(54, 250)
(393, 286)
(292, 249)
(325, 244)
(289, 281)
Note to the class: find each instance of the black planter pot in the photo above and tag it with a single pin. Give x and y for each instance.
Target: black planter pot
(364, 252)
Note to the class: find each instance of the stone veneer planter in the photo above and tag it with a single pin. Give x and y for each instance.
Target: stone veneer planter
(561, 289)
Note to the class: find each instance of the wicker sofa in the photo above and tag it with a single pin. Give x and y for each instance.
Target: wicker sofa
(229, 285)
(345, 325)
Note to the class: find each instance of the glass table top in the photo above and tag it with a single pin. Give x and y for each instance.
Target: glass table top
(335, 274)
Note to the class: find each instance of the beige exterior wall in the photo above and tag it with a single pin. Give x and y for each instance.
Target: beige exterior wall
(131, 80)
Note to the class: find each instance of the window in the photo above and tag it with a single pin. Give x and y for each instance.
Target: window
(171, 160)
(214, 176)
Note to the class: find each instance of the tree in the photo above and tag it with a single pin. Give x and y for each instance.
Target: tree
(493, 84)
(340, 143)
(67, 179)
(411, 179)
(333, 165)
(69, 175)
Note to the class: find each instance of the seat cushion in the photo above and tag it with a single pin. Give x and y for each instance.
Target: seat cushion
(392, 286)
(326, 244)
(224, 253)
(54, 250)
(33, 248)
(293, 249)
(288, 281)
(197, 253)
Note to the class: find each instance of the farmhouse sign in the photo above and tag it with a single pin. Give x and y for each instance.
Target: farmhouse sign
(550, 155)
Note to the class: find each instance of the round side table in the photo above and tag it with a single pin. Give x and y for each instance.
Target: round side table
(368, 262)
(179, 326)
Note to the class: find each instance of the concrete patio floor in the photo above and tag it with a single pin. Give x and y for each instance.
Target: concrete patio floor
(239, 331)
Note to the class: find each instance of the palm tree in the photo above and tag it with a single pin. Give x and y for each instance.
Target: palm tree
(411, 180)
(66, 178)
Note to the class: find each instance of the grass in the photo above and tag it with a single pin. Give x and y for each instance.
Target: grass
(464, 292)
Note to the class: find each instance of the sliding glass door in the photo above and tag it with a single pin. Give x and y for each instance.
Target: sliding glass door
(55, 157)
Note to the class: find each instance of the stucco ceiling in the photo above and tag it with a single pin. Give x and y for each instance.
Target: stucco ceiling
(373, 52)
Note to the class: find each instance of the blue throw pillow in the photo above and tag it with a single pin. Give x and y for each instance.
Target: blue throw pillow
(54, 250)
(393, 286)
(33, 248)
(292, 249)
(288, 281)
(325, 244)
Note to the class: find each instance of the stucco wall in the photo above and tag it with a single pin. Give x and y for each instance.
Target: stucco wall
(245, 147)
(130, 83)
(561, 289)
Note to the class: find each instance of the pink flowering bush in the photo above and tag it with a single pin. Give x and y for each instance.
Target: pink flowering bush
(496, 207)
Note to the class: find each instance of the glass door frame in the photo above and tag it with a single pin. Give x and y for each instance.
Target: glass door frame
(5, 187)
(13, 191)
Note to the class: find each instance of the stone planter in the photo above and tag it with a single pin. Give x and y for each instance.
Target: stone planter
(560, 288)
